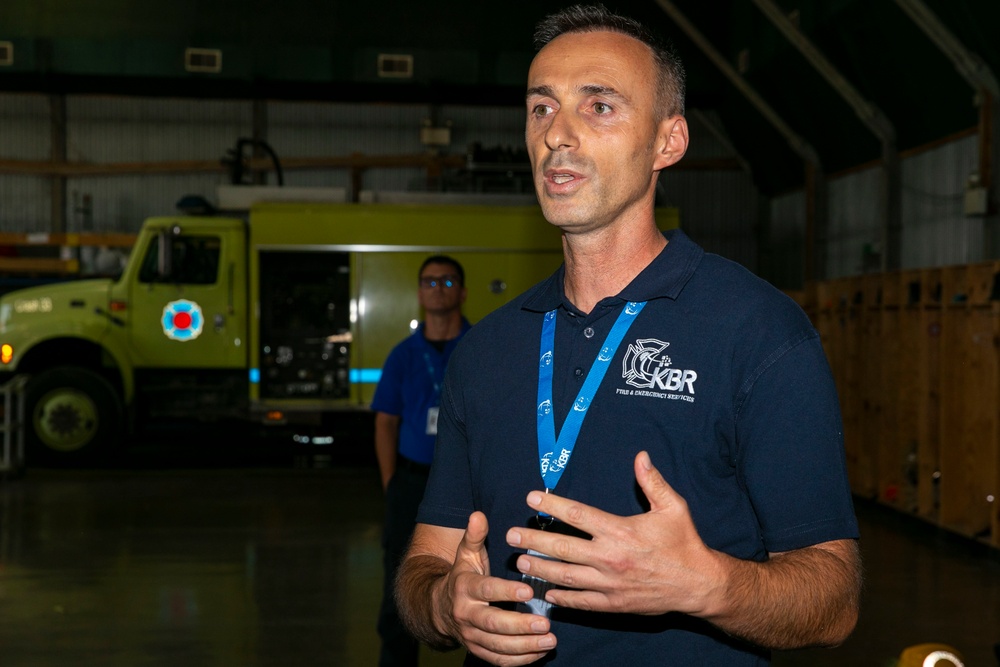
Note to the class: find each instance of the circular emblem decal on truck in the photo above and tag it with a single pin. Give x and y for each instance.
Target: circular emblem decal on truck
(182, 320)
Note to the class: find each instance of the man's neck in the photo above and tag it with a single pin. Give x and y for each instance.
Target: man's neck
(443, 326)
(602, 264)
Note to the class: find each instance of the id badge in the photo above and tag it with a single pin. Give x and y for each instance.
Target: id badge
(432, 421)
(537, 604)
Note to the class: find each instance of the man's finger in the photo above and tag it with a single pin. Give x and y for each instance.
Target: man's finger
(476, 531)
(472, 548)
(658, 491)
(494, 589)
(579, 515)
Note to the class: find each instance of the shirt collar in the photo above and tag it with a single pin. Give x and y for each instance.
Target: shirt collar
(465, 327)
(664, 277)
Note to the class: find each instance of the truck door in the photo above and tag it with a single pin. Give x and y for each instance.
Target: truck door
(188, 307)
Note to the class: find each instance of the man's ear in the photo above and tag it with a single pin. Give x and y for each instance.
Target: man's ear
(671, 142)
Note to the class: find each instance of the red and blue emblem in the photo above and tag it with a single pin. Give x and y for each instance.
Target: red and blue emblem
(182, 320)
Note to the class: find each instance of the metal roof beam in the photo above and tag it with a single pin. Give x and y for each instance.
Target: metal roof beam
(873, 119)
(869, 114)
(816, 184)
(978, 75)
(716, 131)
(797, 143)
(972, 68)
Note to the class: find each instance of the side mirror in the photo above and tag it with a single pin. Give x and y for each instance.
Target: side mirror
(165, 252)
(164, 255)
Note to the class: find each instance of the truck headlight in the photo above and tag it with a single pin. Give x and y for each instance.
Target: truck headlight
(6, 353)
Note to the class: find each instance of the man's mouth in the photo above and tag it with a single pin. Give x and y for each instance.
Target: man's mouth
(559, 179)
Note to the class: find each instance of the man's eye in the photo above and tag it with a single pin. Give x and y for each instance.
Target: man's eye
(542, 110)
(602, 108)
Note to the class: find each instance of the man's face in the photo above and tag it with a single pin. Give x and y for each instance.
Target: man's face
(591, 130)
(433, 292)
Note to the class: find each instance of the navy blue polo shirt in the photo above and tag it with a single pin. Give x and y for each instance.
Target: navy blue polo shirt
(410, 386)
(721, 378)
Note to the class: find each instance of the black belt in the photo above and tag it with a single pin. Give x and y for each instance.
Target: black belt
(403, 463)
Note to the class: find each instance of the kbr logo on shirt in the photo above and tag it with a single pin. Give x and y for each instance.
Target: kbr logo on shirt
(647, 368)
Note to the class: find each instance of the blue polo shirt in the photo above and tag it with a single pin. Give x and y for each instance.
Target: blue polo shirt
(410, 386)
(721, 378)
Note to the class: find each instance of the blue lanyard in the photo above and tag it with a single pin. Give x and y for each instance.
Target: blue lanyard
(434, 378)
(553, 454)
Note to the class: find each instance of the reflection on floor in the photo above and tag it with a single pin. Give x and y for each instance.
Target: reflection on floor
(276, 565)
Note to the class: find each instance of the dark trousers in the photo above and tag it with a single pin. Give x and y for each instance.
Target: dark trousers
(406, 490)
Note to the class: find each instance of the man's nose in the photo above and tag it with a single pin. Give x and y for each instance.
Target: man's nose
(563, 131)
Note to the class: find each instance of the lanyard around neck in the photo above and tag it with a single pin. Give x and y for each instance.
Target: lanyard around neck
(553, 454)
(435, 381)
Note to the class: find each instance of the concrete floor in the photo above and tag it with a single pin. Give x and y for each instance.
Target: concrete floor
(256, 561)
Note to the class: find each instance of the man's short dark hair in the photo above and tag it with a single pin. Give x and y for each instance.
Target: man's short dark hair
(597, 18)
(445, 259)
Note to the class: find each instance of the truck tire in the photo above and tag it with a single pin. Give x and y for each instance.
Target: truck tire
(73, 415)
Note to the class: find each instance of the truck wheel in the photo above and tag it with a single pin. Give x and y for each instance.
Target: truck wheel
(72, 415)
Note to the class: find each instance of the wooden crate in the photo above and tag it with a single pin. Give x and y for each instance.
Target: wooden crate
(916, 358)
(928, 396)
(968, 425)
(898, 349)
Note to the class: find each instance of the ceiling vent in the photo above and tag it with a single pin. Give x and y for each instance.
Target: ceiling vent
(203, 60)
(6, 54)
(395, 66)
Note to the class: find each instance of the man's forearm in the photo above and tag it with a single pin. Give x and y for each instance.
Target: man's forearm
(807, 597)
(417, 599)
(386, 444)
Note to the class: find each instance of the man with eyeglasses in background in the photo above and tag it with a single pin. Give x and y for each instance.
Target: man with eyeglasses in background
(406, 408)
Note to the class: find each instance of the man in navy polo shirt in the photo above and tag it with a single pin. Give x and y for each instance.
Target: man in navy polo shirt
(406, 411)
(640, 460)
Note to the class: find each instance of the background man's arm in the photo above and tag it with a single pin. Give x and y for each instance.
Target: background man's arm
(386, 445)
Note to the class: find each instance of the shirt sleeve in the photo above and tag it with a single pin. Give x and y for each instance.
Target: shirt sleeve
(449, 498)
(389, 391)
(791, 451)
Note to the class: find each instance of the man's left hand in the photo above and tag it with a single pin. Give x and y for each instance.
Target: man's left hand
(649, 563)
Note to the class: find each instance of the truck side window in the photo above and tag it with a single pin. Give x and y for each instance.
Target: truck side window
(194, 261)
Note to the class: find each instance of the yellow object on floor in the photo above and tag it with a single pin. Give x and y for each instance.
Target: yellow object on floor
(930, 655)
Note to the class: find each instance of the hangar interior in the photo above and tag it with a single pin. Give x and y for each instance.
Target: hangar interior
(847, 151)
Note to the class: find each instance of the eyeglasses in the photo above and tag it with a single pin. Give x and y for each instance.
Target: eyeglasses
(430, 282)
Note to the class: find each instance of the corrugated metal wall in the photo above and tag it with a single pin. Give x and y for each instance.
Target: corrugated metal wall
(718, 211)
(783, 253)
(718, 207)
(319, 129)
(936, 232)
(854, 223)
(113, 130)
(108, 130)
(24, 135)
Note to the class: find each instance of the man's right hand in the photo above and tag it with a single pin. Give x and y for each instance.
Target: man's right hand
(461, 602)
